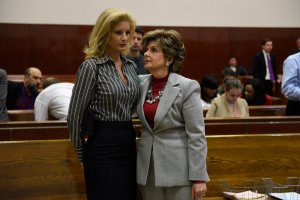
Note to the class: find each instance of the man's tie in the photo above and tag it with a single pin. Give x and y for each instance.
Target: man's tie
(272, 77)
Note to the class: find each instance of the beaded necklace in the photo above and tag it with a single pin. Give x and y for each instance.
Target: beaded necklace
(151, 99)
(155, 85)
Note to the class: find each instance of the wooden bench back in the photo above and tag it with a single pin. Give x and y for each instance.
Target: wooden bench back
(49, 169)
(61, 77)
(32, 130)
(275, 110)
(251, 157)
(36, 170)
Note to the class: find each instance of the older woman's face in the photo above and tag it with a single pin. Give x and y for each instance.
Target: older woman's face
(154, 57)
(233, 94)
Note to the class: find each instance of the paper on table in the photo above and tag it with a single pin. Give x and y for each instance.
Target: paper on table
(286, 196)
(245, 195)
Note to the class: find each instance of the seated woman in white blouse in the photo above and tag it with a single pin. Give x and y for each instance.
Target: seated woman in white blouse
(229, 104)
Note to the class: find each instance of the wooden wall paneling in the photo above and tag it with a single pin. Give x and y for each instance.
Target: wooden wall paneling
(209, 54)
(47, 48)
(190, 39)
(243, 43)
(57, 49)
(14, 48)
(76, 37)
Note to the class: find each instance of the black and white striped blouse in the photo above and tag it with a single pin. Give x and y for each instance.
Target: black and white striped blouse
(112, 99)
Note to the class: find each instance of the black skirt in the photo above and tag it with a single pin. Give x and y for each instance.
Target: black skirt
(110, 162)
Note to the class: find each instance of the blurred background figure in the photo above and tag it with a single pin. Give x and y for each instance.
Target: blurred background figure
(229, 104)
(226, 75)
(238, 70)
(3, 93)
(135, 50)
(53, 102)
(209, 86)
(21, 95)
(254, 93)
(297, 50)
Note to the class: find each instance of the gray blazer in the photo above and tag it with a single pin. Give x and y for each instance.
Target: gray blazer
(177, 141)
(3, 93)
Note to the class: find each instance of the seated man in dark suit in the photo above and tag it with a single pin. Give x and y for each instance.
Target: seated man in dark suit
(21, 95)
(238, 70)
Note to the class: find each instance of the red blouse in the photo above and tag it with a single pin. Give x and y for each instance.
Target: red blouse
(158, 84)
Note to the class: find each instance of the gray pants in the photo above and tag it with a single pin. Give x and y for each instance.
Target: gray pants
(151, 192)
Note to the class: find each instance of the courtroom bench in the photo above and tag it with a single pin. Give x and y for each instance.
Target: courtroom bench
(33, 130)
(274, 110)
(49, 169)
(253, 125)
(236, 158)
(37, 170)
(61, 77)
(263, 110)
(20, 115)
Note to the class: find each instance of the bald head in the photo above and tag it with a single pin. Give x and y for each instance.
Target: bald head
(50, 81)
(33, 70)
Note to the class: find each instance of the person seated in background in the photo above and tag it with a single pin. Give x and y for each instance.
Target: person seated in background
(229, 104)
(226, 74)
(254, 93)
(297, 50)
(3, 93)
(232, 65)
(53, 101)
(209, 86)
(21, 95)
(135, 50)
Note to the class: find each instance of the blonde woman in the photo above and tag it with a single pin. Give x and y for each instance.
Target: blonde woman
(106, 86)
(171, 161)
(229, 104)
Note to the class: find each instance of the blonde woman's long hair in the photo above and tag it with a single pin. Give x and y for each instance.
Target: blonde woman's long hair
(100, 35)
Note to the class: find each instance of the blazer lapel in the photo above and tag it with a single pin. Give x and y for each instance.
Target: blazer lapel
(144, 85)
(169, 95)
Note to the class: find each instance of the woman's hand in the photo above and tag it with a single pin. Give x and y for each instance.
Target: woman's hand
(198, 190)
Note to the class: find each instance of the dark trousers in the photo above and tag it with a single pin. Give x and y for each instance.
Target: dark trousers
(110, 162)
(293, 108)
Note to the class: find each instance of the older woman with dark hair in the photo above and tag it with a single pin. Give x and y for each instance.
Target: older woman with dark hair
(172, 151)
(229, 104)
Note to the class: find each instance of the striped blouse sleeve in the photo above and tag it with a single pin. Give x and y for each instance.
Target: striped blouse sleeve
(79, 101)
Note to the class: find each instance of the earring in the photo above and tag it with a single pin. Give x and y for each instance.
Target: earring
(167, 64)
